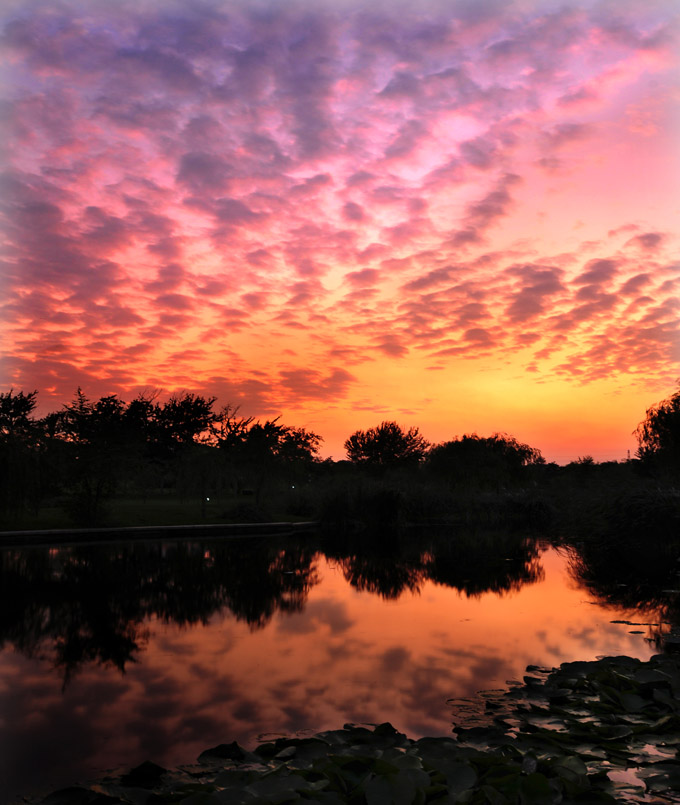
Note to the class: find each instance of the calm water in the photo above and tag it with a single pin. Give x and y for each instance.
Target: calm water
(116, 654)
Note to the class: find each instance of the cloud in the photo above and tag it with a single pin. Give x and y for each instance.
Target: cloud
(234, 212)
(478, 336)
(299, 384)
(648, 241)
(367, 276)
(577, 97)
(434, 277)
(402, 84)
(566, 133)
(307, 183)
(479, 152)
(201, 172)
(165, 68)
(598, 272)
(538, 285)
(391, 345)
(480, 215)
(353, 211)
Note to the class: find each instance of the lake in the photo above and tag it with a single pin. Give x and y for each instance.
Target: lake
(115, 654)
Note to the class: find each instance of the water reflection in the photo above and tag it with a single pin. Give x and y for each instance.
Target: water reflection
(225, 640)
(473, 563)
(490, 563)
(90, 604)
(641, 576)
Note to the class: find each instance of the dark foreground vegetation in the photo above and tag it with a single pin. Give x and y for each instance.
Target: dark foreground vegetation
(588, 732)
(112, 463)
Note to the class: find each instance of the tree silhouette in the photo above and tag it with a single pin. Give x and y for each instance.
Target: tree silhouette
(658, 435)
(257, 451)
(474, 459)
(15, 414)
(186, 418)
(387, 445)
(94, 455)
(21, 464)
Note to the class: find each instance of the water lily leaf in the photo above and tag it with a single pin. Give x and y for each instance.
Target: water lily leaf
(662, 776)
(589, 751)
(308, 749)
(493, 796)
(327, 798)
(230, 751)
(613, 733)
(401, 759)
(277, 787)
(233, 778)
(382, 767)
(286, 754)
(397, 789)
(664, 697)
(594, 797)
(529, 764)
(436, 747)
(134, 796)
(459, 776)
(650, 676)
(632, 702)
(146, 775)
(77, 795)
(200, 798)
(234, 796)
(378, 791)
(536, 790)
(388, 734)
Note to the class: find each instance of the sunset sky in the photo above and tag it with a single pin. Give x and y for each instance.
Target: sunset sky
(460, 215)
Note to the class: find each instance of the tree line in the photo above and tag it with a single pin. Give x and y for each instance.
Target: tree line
(90, 451)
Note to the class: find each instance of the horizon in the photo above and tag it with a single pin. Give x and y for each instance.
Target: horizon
(340, 453)
(457, 216)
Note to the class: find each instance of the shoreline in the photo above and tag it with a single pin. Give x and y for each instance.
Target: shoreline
(68, 536)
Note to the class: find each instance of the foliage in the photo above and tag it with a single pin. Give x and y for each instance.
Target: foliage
(187, 418)
(387, 445)
(90, 451)
(564, 736)
(258, 451)
(21, 462)
(15, 414)
(658, 435)
(476, 459)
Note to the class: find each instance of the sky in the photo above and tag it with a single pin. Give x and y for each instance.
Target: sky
(461, 215)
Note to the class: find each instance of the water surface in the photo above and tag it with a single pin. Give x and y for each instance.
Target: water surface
(116, 654)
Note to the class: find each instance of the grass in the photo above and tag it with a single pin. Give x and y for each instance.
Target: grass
(162, 510)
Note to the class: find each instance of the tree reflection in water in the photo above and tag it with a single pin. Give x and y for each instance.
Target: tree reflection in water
(642, 576)
(92, 603)
(89, 604)
(472, 563)
(486, 563)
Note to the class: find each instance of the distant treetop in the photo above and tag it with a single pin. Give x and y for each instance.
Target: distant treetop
(387, 445)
